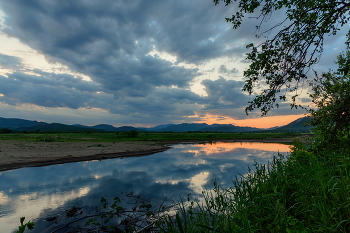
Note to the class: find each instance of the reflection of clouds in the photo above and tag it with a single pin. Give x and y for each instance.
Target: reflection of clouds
(224, 167)
(198, 181)
(182, 170)
(3, 198)
(218, 148)
(28, 197)
(32, 204)
(165, 181)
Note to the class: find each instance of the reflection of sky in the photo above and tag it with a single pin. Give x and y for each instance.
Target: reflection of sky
(45, 191)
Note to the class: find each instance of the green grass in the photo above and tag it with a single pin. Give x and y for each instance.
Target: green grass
(112, 137)
(305, 192)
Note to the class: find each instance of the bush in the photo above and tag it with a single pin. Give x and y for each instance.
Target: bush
(129, 134)
(5, 131)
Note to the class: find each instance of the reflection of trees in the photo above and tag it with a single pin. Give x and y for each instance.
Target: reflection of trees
(132, 213)
(117, 184)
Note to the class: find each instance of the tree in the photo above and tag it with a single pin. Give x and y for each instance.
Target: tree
(281, 63)
(128, 134)
(331, 97)
(5, 131)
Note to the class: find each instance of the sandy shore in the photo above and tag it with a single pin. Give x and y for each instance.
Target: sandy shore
(17, 154)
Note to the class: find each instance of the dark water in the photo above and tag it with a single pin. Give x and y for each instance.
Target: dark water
(38, 193)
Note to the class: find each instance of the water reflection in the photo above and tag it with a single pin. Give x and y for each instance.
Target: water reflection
(221, 148)
(47, 191)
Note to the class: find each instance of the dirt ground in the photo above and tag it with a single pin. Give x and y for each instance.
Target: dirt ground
(17, 154)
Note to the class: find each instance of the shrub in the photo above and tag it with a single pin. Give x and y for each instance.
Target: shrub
(129, 134)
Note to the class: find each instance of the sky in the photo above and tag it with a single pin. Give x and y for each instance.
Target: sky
(139, 63)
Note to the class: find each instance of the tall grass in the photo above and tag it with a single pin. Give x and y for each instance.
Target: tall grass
(302, 192)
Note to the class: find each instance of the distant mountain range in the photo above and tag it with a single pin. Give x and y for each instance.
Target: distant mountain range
(27, 125)
(13, 123)
(202, 127)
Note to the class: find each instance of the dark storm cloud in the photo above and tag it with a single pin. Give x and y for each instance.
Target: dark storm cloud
(10, 62)
(57, 80)
(169, 104)
(104, 40)
(138, 77)
(165, 103)
(224, 70)
(224, 93)
(63, 90)
(17, 91)
(195, 30)
(223, 97)
(109, 40)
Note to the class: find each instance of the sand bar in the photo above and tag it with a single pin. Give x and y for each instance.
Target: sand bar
(16, 154)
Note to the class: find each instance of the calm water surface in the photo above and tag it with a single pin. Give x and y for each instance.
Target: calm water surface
(38, 193)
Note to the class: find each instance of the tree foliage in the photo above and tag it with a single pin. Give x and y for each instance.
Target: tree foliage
(128, 134)
(331, 97)
(282, 61)
(5, 131)
(29, 225)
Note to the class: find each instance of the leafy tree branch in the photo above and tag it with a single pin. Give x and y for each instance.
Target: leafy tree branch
(282, 62)
(331, 97)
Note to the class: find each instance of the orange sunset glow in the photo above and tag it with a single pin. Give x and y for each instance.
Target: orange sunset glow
(220, 147)
(260, 122)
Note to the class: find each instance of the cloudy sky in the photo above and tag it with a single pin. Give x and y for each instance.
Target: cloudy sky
(140, 63)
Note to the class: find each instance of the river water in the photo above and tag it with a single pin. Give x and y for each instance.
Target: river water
(41, 192)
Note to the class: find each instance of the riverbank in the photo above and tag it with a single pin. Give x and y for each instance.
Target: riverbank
(17, 154)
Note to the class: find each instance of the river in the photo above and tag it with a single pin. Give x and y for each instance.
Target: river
(41, 192)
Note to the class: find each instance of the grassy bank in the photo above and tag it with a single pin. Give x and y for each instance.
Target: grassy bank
(305, 192)
(112, 137)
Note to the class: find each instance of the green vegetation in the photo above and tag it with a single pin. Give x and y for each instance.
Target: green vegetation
(304, 192)
(128, 134)
(307, 191)
(331, 95)
(279, 64)
(5, 131)
(29, 225)
(141, 136)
